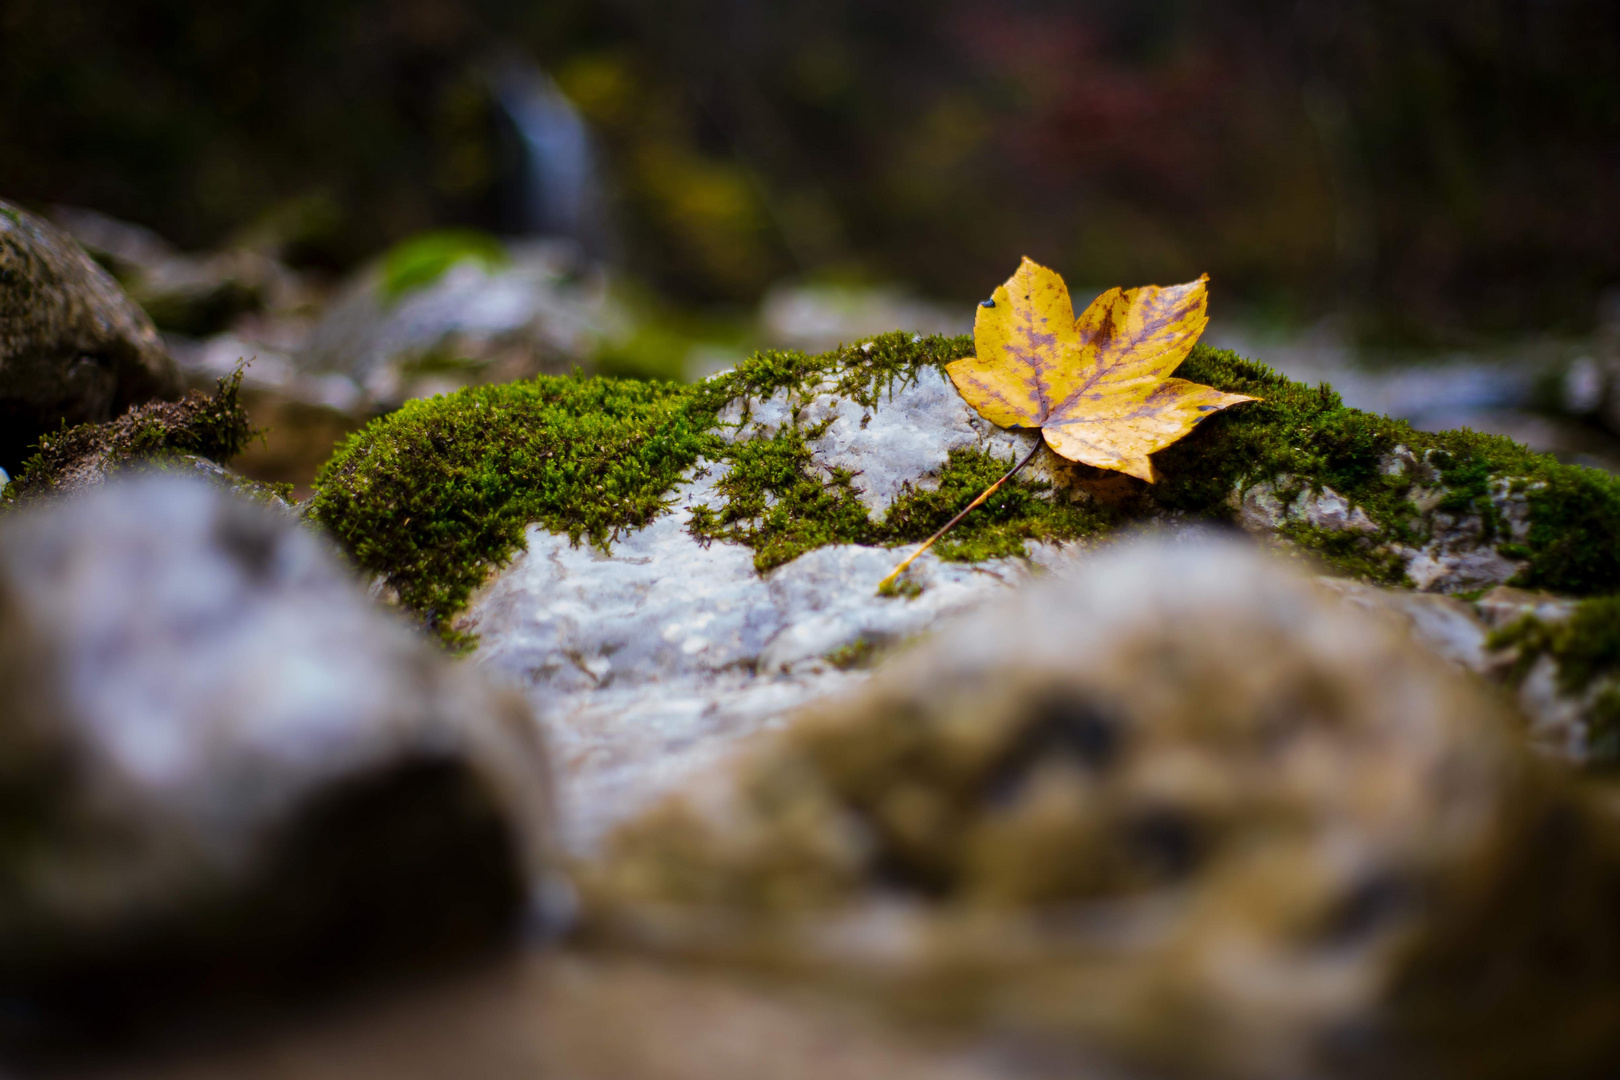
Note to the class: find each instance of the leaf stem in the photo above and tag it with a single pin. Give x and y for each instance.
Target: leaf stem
(951, 524)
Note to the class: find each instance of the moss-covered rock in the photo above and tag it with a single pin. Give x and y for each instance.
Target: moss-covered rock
(1564, 661)
(1183, 804)
(200, 433)
(435, 496)
(73, 347)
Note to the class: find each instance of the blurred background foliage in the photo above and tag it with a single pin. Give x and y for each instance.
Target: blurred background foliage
(1435, 170)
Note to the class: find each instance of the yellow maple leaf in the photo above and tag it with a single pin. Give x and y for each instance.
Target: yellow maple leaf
(1099, 386)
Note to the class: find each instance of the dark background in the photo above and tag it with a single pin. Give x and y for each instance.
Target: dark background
(1434, 171)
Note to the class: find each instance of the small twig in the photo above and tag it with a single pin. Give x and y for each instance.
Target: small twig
(951, 524)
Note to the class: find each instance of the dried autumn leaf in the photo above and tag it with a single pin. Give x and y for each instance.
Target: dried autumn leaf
(1099, 386)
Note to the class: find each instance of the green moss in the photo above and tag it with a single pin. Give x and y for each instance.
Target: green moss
(1307, 433)
(434, 495)
(778, 502)
(781, 503)
(1586, 645)
(858, 655)
(1022, 511)
(1603, 727)
(422, 260)
(864, 372)
(209, 426)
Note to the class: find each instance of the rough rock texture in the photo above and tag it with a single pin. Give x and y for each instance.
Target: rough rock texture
(1447, 548)
(899, 443)
(477, 323)
(73, 348)
(653, 660)
(224, 770)
(1186, 806)
(1563, 658)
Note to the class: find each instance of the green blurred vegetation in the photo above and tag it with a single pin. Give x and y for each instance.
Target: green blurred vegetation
(423, 259)
(1437, 170)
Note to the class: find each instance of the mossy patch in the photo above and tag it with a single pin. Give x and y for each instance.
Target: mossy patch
(437, 494)
(434, 495)
(857, 655)
(214, 427)
(1586, 645)
(781, 502)
(1308, 434)
(1586, 648)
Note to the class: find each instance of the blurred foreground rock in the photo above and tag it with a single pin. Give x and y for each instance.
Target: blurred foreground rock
(225, 773)
(73, 348)
(1187, 807)
(561, 1016)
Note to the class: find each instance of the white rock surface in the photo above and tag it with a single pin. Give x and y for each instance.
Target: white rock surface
(905, 440)
(1264, 508)
(651, 661)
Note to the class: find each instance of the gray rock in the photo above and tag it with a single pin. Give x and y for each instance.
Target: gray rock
(474, 324)
(651, 662)
(905, 441)
(1186, 806)
(73, 347)
(667, 653)
(195, 295)
(1457, 552)
(224, 768)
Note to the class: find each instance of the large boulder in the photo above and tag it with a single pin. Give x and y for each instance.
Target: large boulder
(668, 568)
(225, 771)
(73, 347)
(1187, 806)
